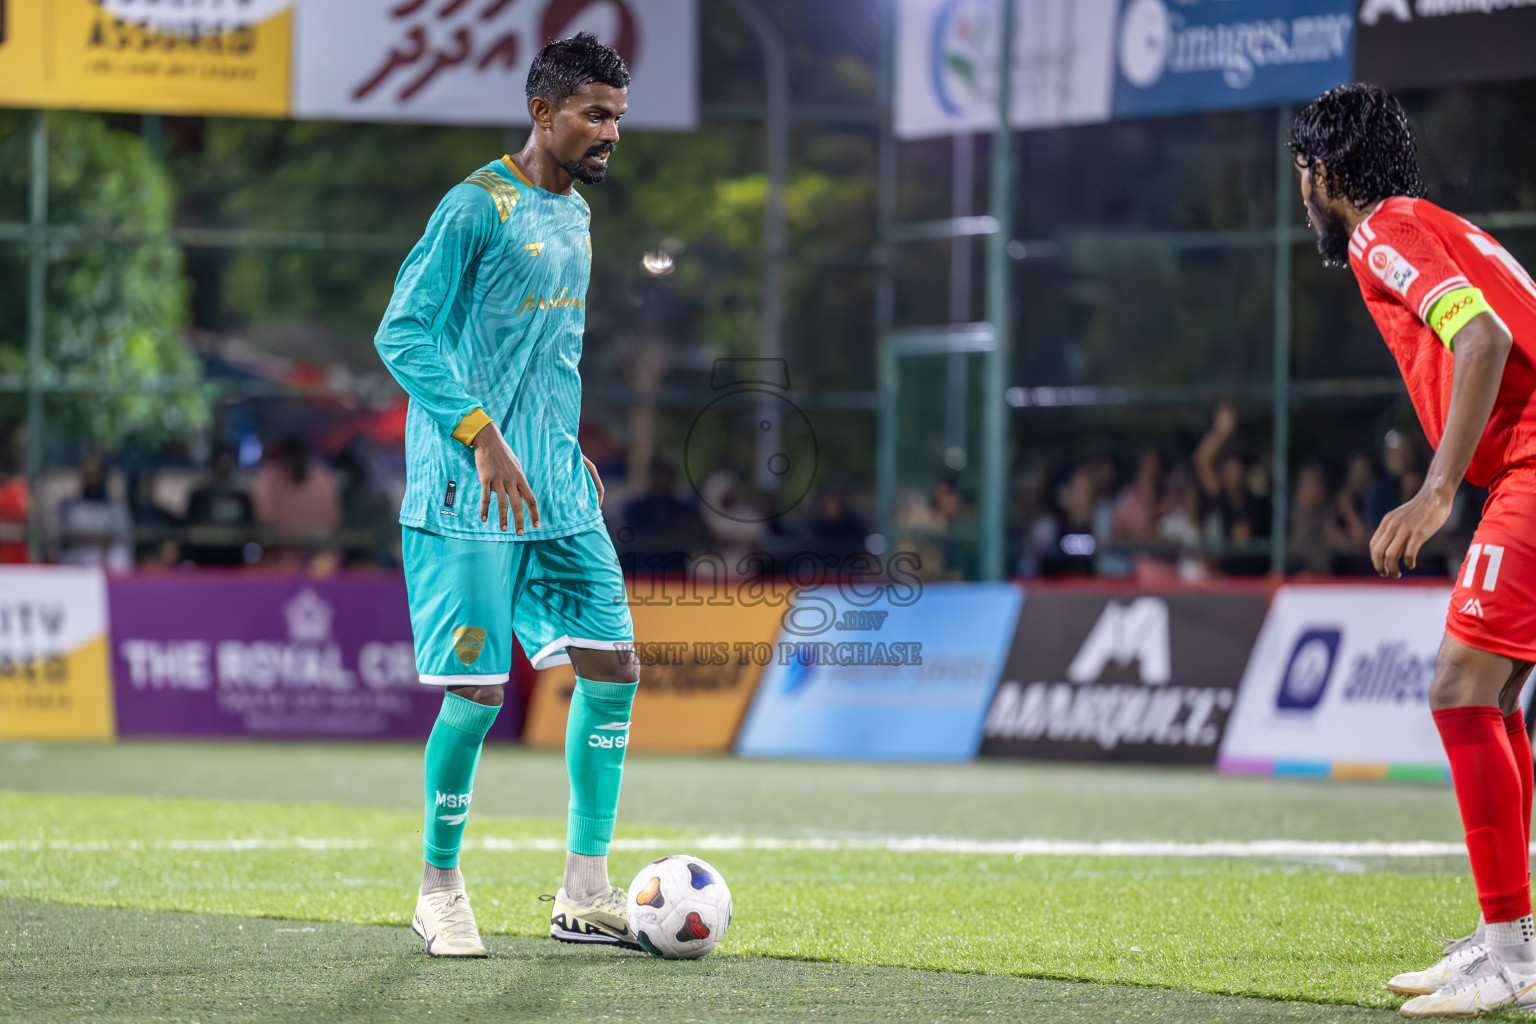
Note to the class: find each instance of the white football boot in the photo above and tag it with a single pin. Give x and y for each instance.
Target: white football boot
(1457, 955)
(1483, 986)
(447, 924)
(601, 919)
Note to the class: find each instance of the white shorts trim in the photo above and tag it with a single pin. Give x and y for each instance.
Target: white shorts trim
(553, 653)
(494, 679)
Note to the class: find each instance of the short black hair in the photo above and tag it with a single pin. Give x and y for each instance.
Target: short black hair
(1361, 135)
(563, 67)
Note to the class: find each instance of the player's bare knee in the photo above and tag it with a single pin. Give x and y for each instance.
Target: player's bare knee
(490, 696)
(620, 666)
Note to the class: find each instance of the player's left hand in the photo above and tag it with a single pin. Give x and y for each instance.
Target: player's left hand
(595, 479)
(1405, 529)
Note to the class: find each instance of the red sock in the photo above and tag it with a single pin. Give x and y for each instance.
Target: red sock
(1520, 746)
(1489, 791)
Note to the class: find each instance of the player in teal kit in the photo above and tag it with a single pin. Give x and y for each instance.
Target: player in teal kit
(503, 533)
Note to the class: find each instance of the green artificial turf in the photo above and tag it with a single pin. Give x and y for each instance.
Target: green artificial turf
(61, 963)
(1276, 929)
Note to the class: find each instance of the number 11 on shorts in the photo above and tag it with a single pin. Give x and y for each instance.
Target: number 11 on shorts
(1495, 556)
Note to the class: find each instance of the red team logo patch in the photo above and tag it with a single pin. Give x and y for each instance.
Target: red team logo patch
(1395, 271)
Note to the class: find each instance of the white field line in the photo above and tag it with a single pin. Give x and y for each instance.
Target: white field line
(1254, 850)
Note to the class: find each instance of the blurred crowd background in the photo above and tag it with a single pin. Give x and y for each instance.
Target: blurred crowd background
(217, 282)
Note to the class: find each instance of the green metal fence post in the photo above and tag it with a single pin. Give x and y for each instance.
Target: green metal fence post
(994, 489)
(37, 314)
(1285, 206)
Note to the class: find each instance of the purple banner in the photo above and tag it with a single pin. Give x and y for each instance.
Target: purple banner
(270, 656)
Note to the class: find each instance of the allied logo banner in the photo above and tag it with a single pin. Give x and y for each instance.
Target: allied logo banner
(54, 681)
(1122, 676)
(901, 675)
(465, 61)
(1183, 56)
(946, 64)
(1418, 44)
(270, 656)
(700, 663)
(1338, 685)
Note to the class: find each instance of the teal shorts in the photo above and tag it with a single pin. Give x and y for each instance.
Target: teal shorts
(470, 598)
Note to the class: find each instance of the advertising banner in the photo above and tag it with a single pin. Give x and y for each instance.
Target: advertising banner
(270, 656)
(1338, 685)
(465, 61)
(700, 664)
(901, 675)
(1416, 44)
(1183, 56)
(946, 64)
(1122, 677)
(53, 654)
(194, 57)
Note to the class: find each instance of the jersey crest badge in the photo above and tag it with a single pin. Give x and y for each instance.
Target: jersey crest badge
(468, 642)
(1394, 270)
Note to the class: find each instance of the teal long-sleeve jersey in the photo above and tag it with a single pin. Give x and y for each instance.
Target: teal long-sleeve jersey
(485, 324)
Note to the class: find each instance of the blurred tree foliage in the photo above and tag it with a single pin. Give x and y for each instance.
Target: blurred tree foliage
(115, 313)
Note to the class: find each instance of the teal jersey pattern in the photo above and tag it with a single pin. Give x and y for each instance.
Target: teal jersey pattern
(488, 314)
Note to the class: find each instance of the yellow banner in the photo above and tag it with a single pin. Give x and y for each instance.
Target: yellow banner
(55, 680)
(699, 670)
(80, 54)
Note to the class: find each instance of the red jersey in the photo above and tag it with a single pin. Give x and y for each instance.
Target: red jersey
(1420, 269)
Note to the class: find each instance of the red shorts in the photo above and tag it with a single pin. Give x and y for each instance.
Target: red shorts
(1493, 606)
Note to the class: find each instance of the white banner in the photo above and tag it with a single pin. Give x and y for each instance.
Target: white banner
(946, 64)
(465, 61)
(1340, 676)
(54, 682)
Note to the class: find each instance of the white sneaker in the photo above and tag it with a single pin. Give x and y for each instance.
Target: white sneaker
(1483, 986)
(602, 918)
(447, 925)
(1458, 954)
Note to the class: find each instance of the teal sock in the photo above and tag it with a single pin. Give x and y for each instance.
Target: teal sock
(596, 735)
(453, 753)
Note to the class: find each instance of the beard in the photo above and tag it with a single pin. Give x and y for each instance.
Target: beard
(587, 170)
(1332, 232)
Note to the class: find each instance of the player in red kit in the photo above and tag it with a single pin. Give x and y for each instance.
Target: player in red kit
(1459, 315)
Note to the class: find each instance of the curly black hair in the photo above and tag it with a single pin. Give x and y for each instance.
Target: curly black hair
(564, 66)
(1361, 135)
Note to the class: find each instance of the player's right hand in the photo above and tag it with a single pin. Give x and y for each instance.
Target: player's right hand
(501, 474)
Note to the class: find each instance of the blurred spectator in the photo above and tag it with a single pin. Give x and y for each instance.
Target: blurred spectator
(835, 528)
(293, 493)
(735, 522)
(1352, 500)
(1179, 524)
(660, 521)
(1238, 513)
(1070, 552)
(1313, 529)
(1402, 481)
(1137, 508)
(367, 511)
(224, 506)
(15, 497)
(95, 528)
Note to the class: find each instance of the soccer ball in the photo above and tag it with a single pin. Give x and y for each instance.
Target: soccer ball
(679, 907)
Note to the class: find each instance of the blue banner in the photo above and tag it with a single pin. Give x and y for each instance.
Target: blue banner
(908, 680)
(1185, 56)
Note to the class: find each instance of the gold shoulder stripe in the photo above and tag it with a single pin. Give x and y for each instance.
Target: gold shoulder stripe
(501, 202)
